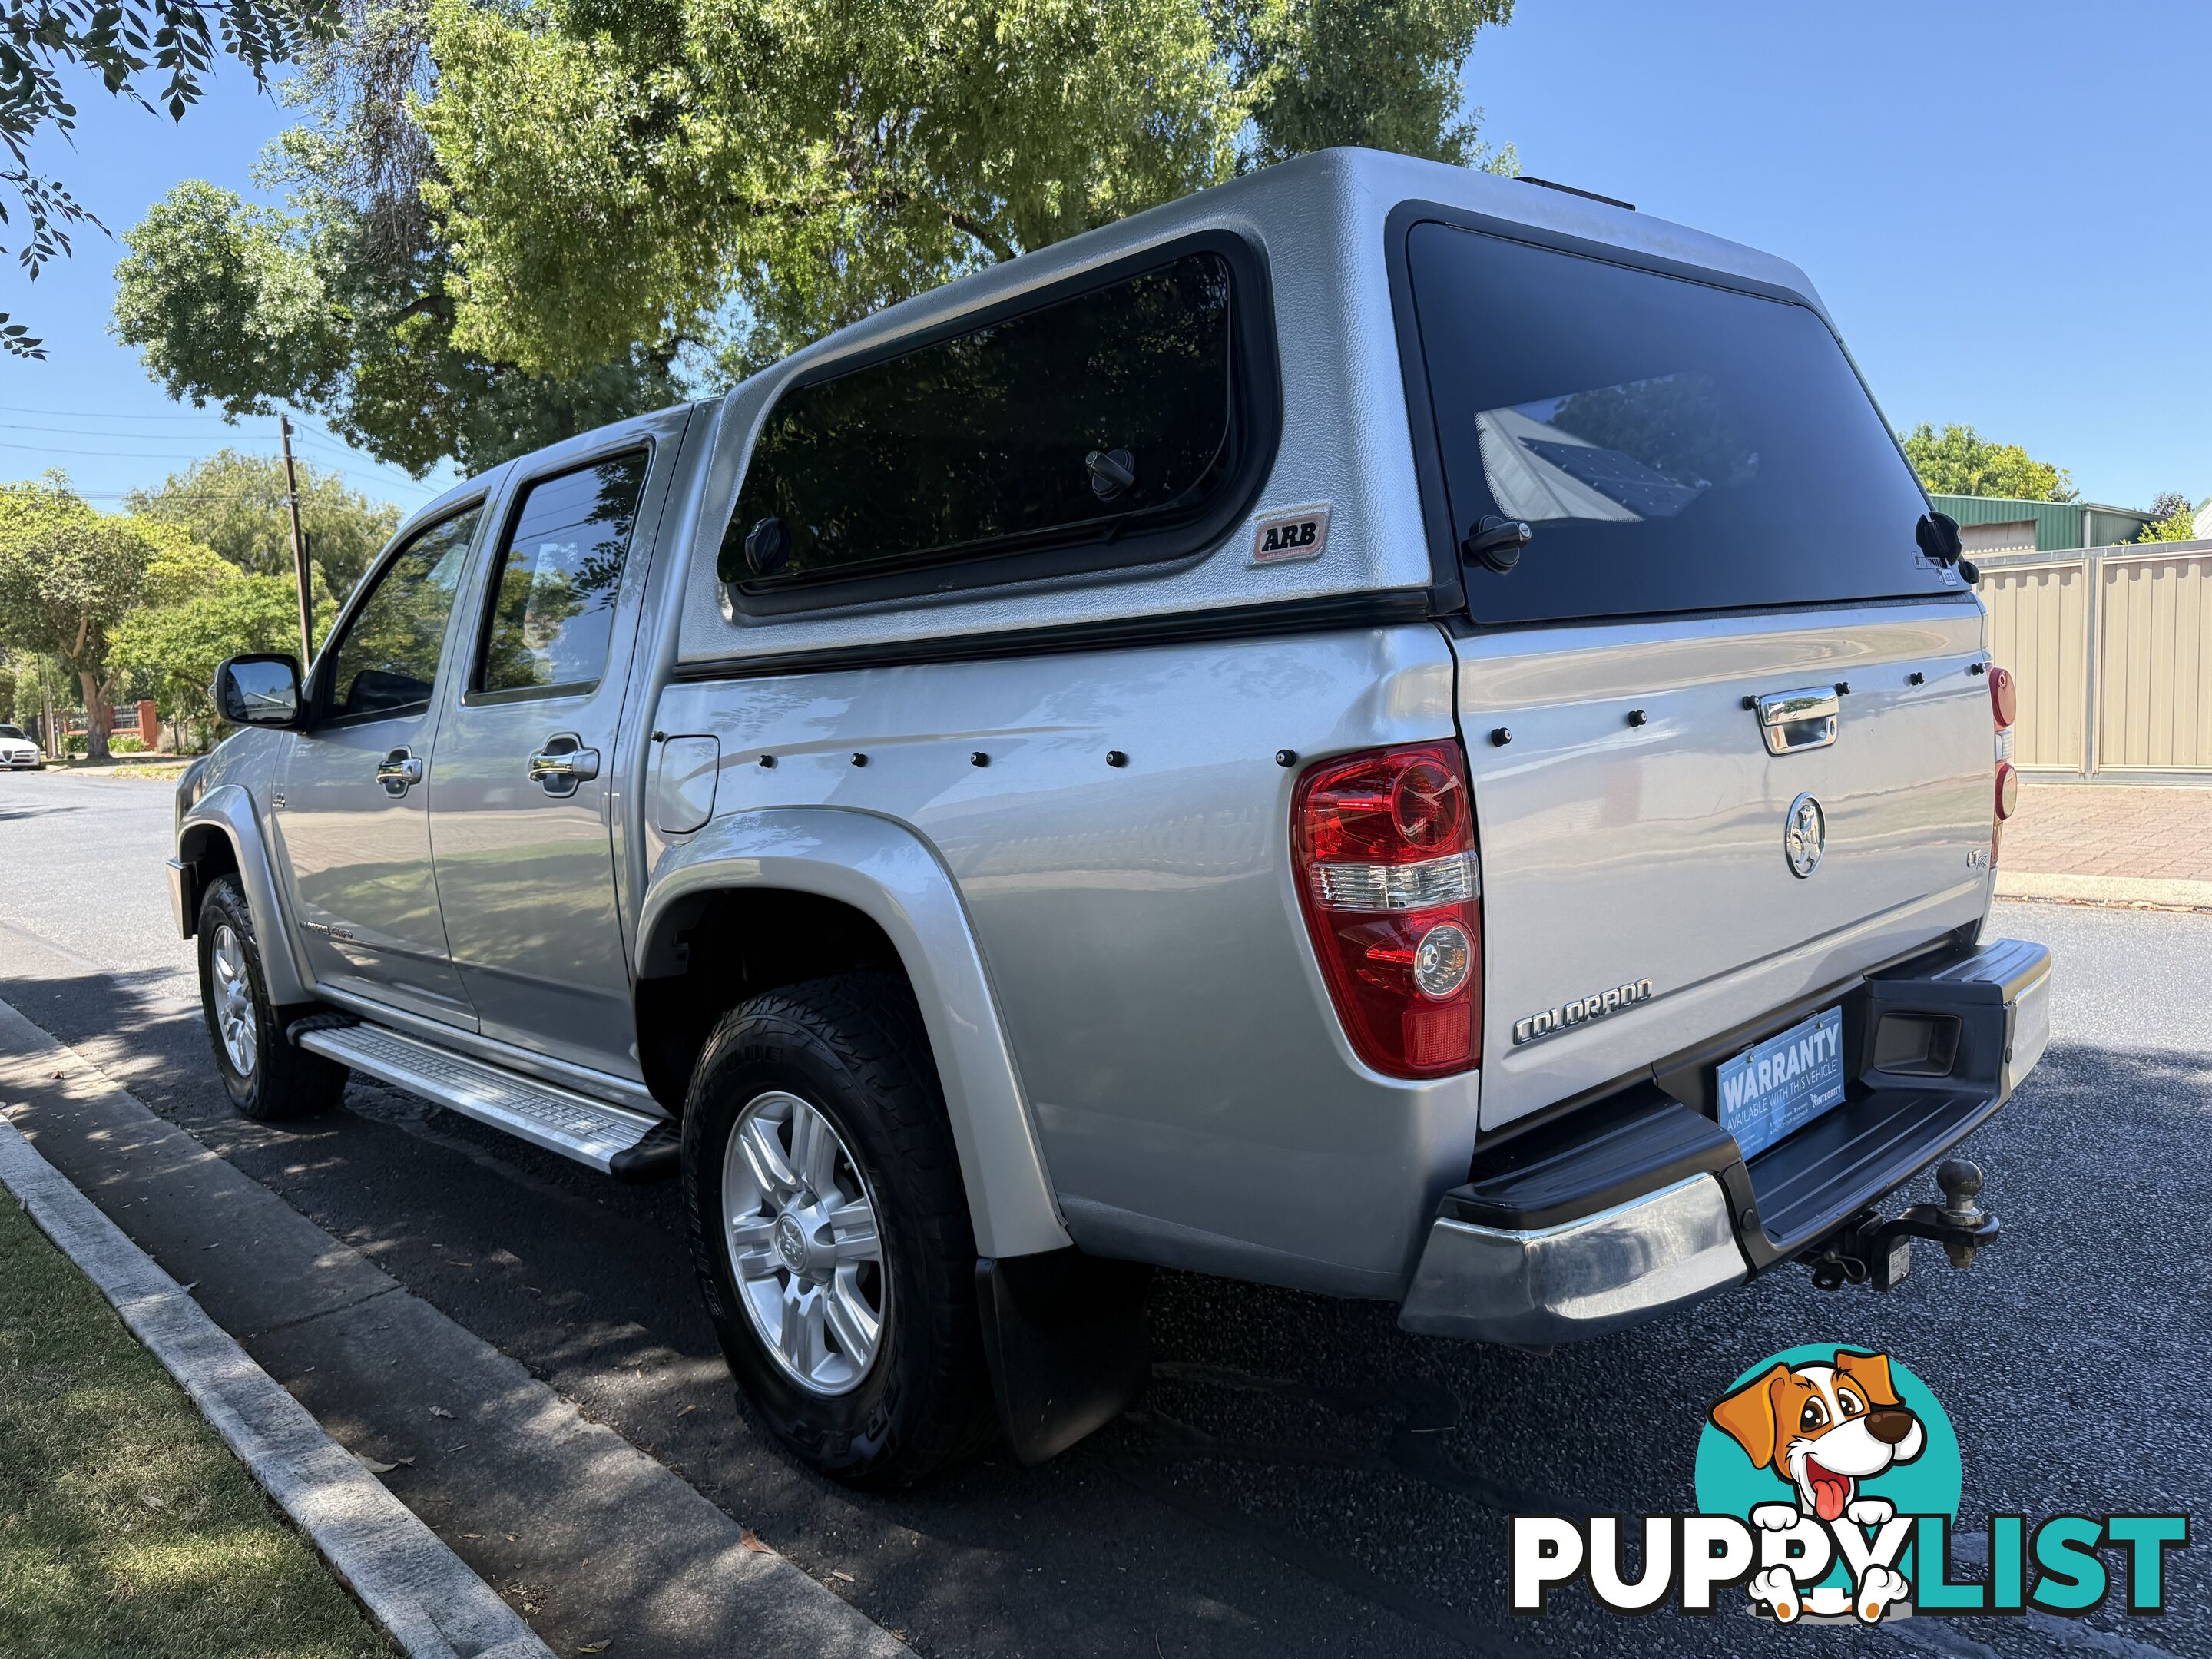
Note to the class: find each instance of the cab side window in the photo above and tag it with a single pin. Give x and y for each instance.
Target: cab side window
(386, 660)
(1089, 419)
(558, 575)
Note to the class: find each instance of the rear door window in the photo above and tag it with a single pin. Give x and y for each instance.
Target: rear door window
(1673, 445)
(559, 573)
(1097, 416)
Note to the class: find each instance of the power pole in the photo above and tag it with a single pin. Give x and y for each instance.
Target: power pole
(299, 542)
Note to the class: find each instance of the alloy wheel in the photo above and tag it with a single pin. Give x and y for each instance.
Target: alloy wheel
(801, 1224)
(233, 991)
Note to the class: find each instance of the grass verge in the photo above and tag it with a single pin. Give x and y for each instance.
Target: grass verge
(127, 766)
(126, 1527)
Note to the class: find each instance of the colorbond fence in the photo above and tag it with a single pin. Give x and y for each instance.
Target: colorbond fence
(2112, 647)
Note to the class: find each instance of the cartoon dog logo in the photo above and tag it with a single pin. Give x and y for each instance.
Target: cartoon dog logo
(1825, 1429)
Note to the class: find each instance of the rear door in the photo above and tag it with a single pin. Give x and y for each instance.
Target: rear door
(1723, 532)
(523, 801)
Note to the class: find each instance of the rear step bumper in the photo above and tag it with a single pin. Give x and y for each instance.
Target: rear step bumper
(1638, 1203)
(629, 1146)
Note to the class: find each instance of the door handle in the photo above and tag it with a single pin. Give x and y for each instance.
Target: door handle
(398, 771)
(1794, 721)
(563, 763)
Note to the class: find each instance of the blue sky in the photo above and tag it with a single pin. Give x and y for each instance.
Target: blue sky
(2002, 203)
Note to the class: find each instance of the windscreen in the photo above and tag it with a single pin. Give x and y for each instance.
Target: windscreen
(1673, 445)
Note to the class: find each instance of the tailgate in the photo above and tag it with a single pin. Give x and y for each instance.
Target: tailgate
(1633, 828)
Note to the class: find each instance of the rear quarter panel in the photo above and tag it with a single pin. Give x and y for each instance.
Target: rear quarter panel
(1192, 1091)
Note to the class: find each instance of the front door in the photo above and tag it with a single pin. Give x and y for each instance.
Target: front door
(522, 779)
(352, 810)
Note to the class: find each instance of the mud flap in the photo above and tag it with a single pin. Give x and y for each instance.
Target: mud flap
(1069, 1346)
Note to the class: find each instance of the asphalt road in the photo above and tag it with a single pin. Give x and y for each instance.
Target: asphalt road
(1304, 1477)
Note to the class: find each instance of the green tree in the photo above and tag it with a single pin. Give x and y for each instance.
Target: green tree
(197, 607)
(1383, 74)
(797, 164)
(233, 503)
(1960, 461)
(41, 41)
(246, 306)
(2171, 520)
(506, 223)
(68, 574)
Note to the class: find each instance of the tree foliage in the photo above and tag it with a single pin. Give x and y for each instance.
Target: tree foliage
(613, 172)
(246, 307)
(2171, 520)
(235, 504)
(68, 574)
(1960, 461)
(508, 222)
(116, 42)
(196, 608)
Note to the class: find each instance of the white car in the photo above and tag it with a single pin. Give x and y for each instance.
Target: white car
(18, 753)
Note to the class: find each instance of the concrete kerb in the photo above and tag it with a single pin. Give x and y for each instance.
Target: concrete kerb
(422, 1595)
(2176, 895)
(625, 1542)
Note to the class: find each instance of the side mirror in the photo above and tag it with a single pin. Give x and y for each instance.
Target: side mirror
(262, 689)
(1938, 535)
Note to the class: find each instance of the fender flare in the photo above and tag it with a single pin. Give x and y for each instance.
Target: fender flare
(227, 810)
(887, 873)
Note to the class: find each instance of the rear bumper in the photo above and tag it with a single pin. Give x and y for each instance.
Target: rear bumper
(1535, 1287)
(1641, 1203)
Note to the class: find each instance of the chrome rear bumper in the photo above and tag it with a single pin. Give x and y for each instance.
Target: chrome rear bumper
(1580, 1278)
(1641, 1203)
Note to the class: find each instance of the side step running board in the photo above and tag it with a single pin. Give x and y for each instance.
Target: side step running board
(612, 1139)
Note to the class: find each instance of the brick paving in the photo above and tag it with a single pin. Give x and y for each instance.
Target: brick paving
(2100, 830)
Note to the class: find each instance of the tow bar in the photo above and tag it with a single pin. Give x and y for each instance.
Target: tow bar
(1868, 1251)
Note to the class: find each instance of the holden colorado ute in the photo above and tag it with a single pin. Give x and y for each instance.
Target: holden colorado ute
(1378, 729)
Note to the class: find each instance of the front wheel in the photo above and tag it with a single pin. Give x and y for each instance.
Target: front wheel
(267, 1078)
(830, 1229)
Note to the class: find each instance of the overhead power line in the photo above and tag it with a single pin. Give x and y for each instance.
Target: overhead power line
(119, 414)
(366, 478)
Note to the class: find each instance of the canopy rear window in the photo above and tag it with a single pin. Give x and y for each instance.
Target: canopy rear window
(1093, 420)
(1673, 445)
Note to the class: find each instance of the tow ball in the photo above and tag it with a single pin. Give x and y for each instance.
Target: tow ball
(1868, 1251)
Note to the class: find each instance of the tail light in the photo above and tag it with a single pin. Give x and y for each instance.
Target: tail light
(1384, 845)
(2005, 703)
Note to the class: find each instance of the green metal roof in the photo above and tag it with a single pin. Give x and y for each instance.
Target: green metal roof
(2059, 524)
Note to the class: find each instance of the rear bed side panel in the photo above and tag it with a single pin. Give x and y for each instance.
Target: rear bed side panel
(1194, 1095)
(1616, 852)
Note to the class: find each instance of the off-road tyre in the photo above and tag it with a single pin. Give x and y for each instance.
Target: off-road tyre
(277, 1082)
(853, 1048)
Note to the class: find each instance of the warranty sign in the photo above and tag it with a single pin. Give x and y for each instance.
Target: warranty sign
(1784, 1083)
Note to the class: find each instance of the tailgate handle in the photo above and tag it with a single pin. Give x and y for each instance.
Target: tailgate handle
(1791, 720)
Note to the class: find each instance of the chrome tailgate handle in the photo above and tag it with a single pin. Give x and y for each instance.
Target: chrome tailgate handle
(1791, 720)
